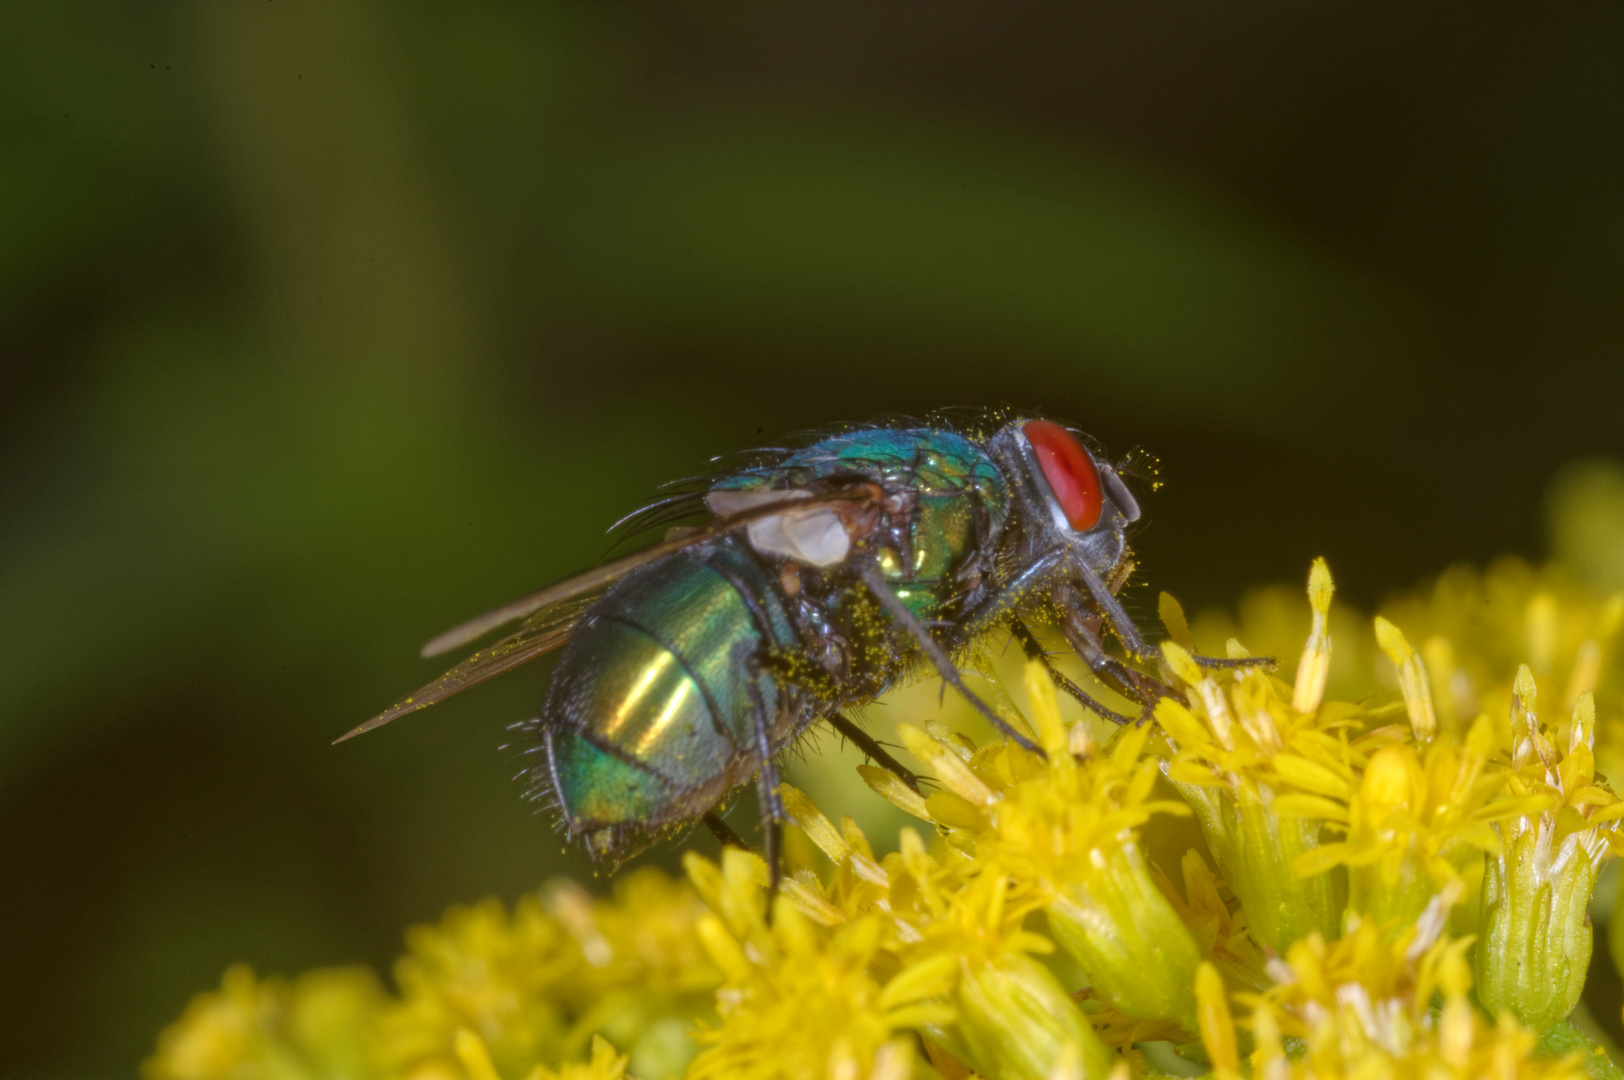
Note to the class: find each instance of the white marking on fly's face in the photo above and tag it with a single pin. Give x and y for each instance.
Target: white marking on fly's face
(814, 536)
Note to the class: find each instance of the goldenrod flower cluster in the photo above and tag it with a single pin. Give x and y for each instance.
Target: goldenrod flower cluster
(547, 991)
(1379, 867)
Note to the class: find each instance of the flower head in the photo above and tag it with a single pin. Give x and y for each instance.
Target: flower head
(1363, 1006)
(1261, 764)
(1417, 820)
(535, 984)
(1536, 894)
(1063, 831)
(313, 1026)
(803, 1001)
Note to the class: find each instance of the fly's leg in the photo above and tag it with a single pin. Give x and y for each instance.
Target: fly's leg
(1034, 651)
(873, 750)
(1084, 639)
(987, 614)
(1110, 608)
(772, 810)
(723, 832)
(933, 652)
(1225, 663)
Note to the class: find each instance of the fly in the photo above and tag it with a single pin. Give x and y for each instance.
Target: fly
(824, 575)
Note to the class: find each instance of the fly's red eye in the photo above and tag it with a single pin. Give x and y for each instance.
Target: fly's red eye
(1071, 473)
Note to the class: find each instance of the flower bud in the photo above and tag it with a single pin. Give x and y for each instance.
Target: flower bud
(1018, 1023)
(1397, 887)
(1535, 949)
(1257, 850)
(1138, 955)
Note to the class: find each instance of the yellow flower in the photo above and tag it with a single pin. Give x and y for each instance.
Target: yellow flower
(537, 983)
(1477, 628)
(1416, 822)
(272, 1029)
(1216, 921)
(952, 935)
(1536, 895)
(1015, 1019)
(803, 1001)
(475, 1059)
(1063, 831)
(1261, 762)
(1034, 934)
(1363, 1007)
(483, 970)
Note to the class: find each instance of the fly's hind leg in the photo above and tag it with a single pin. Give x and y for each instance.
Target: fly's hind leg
(873, 750)
(1034, 651)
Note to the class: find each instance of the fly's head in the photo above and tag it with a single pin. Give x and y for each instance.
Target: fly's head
(1065, 496)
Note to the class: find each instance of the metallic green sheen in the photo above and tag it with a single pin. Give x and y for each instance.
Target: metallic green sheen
(599, 788)
(647, 704)
(655, 675)
(951, 478)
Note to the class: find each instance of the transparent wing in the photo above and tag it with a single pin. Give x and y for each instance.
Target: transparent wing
(599, 576)
(551, 615)
(538, 635)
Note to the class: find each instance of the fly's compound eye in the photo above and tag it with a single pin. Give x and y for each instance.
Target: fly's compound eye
(1071, 473)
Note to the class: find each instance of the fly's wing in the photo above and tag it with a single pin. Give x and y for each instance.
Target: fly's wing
(550, 616)
(599, 576)
(538, 635)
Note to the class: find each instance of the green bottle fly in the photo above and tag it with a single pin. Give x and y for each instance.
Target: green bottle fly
(824, 575)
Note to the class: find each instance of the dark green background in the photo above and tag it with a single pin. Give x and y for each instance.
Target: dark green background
(324, 324)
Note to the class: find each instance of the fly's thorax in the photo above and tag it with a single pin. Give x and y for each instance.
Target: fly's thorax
(942, 507)
(650, 716)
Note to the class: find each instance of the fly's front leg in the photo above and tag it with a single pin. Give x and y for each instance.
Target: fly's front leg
(1084, 639)
(1034, 651)
(1111, 610)
(1226, 663)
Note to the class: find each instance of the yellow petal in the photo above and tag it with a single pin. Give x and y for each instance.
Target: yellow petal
(1310, 775)
(888, 786)
(1310, 806)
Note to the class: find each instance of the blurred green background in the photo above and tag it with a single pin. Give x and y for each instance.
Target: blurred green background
(327, 323)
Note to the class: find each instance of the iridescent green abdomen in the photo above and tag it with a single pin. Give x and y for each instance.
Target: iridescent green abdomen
(650, 713)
